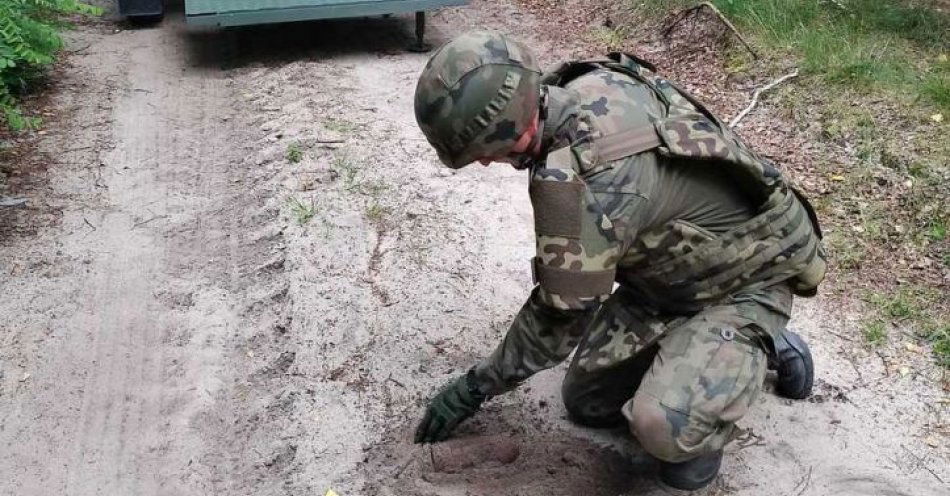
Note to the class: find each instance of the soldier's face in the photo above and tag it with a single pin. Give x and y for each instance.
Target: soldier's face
(517, 154)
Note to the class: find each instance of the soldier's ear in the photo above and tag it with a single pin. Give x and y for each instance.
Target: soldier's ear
(535, 126)
(536, 123)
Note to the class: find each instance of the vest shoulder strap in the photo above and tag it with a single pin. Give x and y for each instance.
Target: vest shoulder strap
(631, 61)
(617, 61)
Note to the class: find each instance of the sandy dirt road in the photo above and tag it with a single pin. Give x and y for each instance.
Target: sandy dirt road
(207, 317)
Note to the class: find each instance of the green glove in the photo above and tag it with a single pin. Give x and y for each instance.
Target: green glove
(457, 401)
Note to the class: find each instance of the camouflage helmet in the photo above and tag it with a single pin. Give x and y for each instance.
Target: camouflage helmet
(477, 95)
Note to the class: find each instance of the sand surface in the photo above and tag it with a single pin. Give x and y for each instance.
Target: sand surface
(178, 331)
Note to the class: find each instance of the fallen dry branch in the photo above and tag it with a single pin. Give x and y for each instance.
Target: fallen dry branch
(805, 482)
(10, 202)
(694, 11)
(757, 93)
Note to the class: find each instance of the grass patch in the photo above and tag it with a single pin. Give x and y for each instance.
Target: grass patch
(941, 345)
(915, 308)
(301, 212)
(342, 126)
(937, 88)
(847, 251)
(613, 38)
(376, 212)
(887, 45)
(294, 153)
(938, 230)
(866, 43)
(346, 169)
(875, 332)
(900, 305)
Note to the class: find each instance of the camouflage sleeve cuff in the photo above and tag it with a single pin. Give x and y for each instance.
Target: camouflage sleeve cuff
(570, 302)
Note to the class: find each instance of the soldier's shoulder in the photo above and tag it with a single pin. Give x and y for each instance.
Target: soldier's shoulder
(611, 101)
(603, 82)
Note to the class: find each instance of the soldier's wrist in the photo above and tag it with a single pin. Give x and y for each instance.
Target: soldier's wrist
(470, 383)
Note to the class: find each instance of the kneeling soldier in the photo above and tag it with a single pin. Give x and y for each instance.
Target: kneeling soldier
(634, 183)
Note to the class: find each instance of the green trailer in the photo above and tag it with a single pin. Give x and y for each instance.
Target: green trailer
(245, 12)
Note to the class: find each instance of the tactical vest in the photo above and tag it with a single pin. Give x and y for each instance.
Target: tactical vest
(677, 264)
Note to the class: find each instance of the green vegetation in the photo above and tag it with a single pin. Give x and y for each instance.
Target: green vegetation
(888, 45)
(612, 38)
(875, 332)
(941, 345)
(903, 304)
(849, 253)
(376, 212)
(938, 230)
(346, 169)
(937, 84)
(29, 41)
(340, 125)
(294, 153)
(301, 212)
(915, 308)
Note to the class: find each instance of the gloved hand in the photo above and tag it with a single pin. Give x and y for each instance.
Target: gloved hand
(457, 401)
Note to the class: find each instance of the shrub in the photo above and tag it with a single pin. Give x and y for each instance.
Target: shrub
(29, 40)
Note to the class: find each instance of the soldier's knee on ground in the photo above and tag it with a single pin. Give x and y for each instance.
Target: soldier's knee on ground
(670, 435)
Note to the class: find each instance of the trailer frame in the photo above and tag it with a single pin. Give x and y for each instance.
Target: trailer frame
(226, 13)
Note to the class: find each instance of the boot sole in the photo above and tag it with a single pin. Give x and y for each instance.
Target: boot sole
(683, 483)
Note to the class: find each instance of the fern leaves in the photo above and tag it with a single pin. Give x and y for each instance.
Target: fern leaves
(29, 41)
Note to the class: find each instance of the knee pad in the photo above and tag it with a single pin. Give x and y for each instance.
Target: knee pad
(653, 427)
(667, 434)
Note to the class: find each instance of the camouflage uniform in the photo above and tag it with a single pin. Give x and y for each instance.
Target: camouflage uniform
(641, 186)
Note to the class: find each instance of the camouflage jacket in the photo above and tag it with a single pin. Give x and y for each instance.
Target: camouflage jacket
(641, 186)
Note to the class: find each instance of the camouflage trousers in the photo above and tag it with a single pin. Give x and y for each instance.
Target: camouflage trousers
(679, 382)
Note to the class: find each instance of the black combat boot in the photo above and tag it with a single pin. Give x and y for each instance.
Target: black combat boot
(691, 474)
(792, 361)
